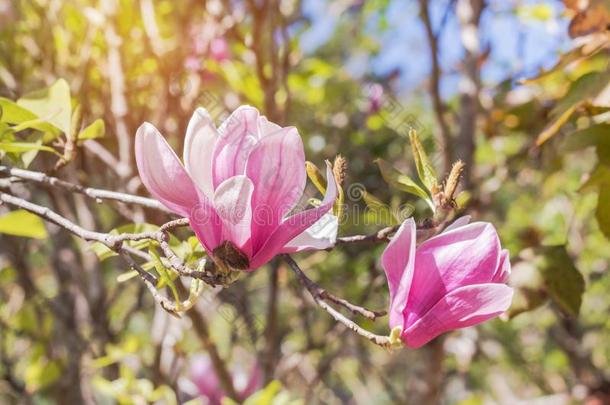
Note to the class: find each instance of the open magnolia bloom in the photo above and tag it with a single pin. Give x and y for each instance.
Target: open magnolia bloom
(453, 280)
(237, 187)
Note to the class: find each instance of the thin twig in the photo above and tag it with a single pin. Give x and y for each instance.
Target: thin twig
(150, 281)
(97, 194)
(115, 243)
(383, 341)
(382, 235)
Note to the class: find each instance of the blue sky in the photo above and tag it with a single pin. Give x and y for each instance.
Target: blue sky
(521, 44)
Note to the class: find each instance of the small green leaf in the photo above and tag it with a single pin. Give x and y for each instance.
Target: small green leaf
(265, 395)
(52, 104)
(383, 213)
(564, 283)
(599, 177)
(12, 113)
(594, 135)
(121, 278)
(425, 170)
(23, 223)
(94, 130)
(552, 129)
(584, 88)
(165, 278)
(526, 300)
(315, 175)
(19, 147)
(41, 373)
(401, 181)
(602, 212)
(102, 251)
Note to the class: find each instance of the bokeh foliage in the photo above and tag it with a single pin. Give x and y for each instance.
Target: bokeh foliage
(78, 77)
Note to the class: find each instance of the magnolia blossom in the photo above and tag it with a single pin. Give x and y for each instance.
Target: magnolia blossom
(453, 280)
(238, 186)
(375, 98)
(206, 380)
(219, 49)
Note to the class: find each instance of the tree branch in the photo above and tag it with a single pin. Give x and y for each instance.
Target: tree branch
(435, 93)
(97, 194)
(383, 341)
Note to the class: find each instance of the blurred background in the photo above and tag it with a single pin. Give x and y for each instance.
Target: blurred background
(518, 90)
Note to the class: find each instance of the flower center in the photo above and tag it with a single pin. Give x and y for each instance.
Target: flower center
(227, 253)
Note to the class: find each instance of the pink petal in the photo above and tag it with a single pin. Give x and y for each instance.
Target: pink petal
(503, 271)
(460, 308)
(199, 143)
(464, 256)
(295, 224)
(461, 221)
(276, 166)
(204, 377)
(254, 382)
(162, 173)
(398, 262)
(238, 135)
(319, 236)
(266, 127)
(232, 203)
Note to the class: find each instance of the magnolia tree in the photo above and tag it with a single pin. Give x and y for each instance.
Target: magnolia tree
(333, 232)
(239, 189)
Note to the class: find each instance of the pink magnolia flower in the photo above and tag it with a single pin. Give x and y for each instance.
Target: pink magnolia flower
(375, 98)
(453, 280)
(219, 49)
(205, 379)
(237, 187)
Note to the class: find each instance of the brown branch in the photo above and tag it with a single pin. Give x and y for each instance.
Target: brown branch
(383, 341)
(150, 281)
(115, 243)
(271, 327)
(97, 194)
(435, 93)
(116, 78)
(202, 329)
(469, 15)
(382, 235)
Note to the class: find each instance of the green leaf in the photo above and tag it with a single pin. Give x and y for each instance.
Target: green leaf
(23, 223)
(382, 211)
(165, 278)
(552, 129)
(401, 181)
(19, 147)
(102, 251)
(602, 212)
(425, 170)
(94, 130)
(52, 104)
(13, 113)
(526, 300)
(264, 396)
(592, 136)
(41, 373)
(564, 283)
(315, 175)
(599, 177)
(121, 278)
(582, 89)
